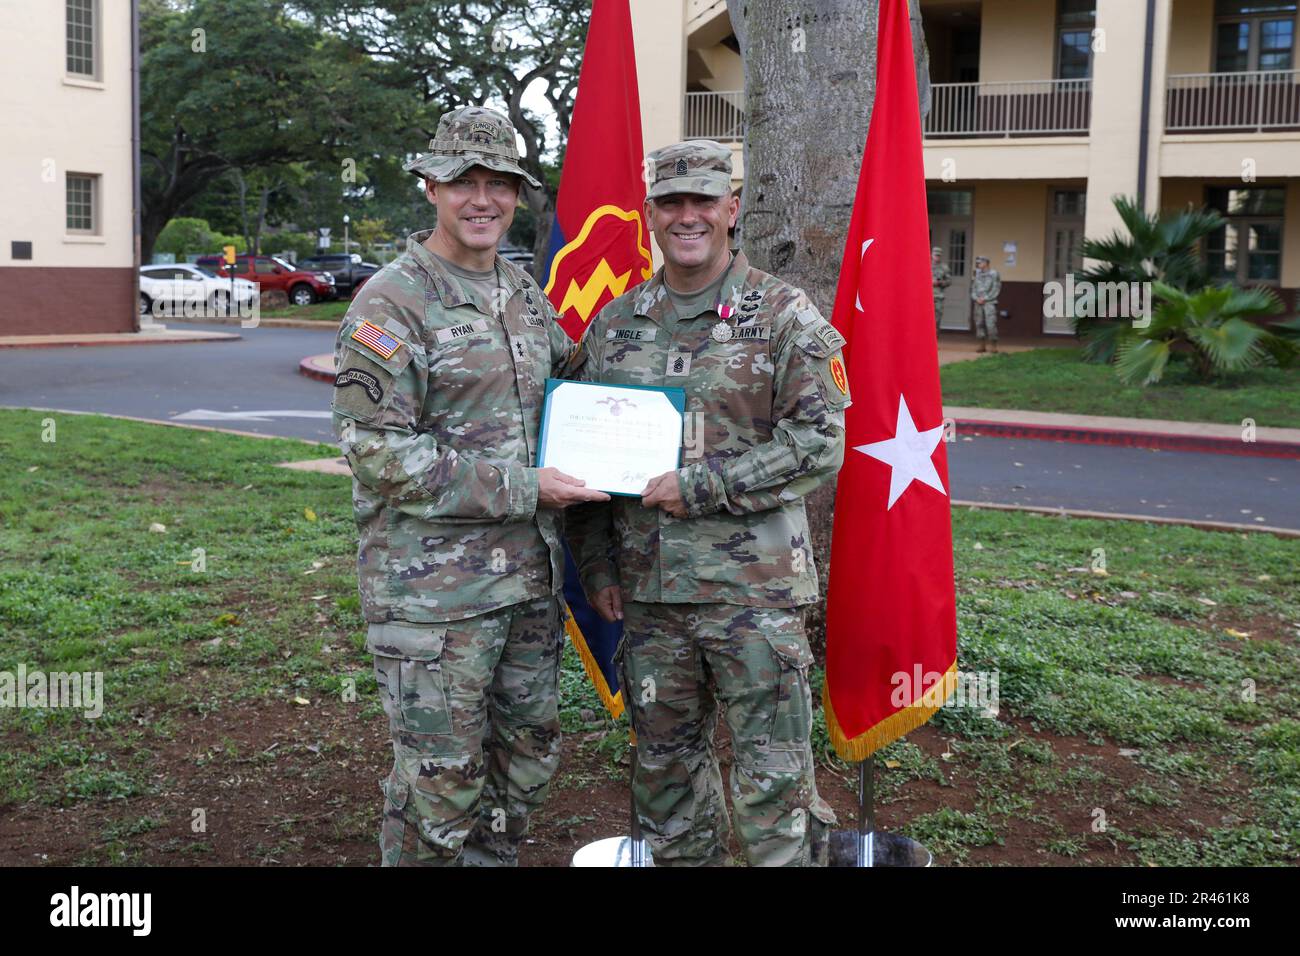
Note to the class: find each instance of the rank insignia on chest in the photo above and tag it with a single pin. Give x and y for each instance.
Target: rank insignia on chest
(679, 363)
(376, 339)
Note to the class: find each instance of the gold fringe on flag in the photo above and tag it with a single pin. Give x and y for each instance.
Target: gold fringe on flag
(892, 727)
(613, 702)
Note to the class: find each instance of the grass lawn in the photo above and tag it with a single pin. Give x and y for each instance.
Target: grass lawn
(330, 311)
(1147, 715)
(1056, 380)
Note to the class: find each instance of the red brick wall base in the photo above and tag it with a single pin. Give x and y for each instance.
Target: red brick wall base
(43, 300)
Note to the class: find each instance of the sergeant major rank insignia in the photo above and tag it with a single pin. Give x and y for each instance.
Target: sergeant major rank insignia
(376, 339)
(681, 168)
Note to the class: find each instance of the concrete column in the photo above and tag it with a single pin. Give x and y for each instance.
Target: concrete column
(659, 35)
(1114, 138)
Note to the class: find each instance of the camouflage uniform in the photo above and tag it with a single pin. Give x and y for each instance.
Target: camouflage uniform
(713, 610)
(986, 284)
(940, 279)
(437, 406)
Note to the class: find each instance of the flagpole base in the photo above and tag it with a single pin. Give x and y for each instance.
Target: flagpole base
(876, 849)
(614, 851)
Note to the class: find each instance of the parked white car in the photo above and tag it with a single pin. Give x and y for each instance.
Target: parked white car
(194, 289)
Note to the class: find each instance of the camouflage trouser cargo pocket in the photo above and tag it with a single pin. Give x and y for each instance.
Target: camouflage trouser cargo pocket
(408, 669)
(791, 726)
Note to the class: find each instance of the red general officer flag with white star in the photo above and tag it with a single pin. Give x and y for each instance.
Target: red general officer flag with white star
(891, 618)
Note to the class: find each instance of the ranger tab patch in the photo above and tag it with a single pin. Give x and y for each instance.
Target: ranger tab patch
(376, 339)
(354, 376)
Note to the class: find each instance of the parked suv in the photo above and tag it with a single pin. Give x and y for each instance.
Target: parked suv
(302, 286)
(349, 271)
(180, 283)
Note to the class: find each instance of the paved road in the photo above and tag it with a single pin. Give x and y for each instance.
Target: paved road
(259, 373)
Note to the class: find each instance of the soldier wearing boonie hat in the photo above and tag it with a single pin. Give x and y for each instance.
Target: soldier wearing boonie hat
(441, 365)
(470, 136)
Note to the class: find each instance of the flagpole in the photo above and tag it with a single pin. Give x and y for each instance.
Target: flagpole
(866, 811)
(634, 827)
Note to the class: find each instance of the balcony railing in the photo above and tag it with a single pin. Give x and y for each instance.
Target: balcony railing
(716, 115)
(1207, 102)
(1013, 108)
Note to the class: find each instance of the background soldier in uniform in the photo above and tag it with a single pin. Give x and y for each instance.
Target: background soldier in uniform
(985, 287)
(940, 279)
(711, 568)
(442, 361)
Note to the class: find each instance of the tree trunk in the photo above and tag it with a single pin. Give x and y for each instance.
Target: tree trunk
(810, 80)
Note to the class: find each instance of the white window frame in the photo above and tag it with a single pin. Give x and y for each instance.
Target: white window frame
(95, 191)
(96, 44)
(1252, 49)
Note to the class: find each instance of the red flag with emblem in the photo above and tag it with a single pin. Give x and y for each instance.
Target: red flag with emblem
(891, 618)
(600, 248)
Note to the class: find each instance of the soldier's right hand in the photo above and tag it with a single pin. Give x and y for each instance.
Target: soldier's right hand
(555, 489)
(608, 603)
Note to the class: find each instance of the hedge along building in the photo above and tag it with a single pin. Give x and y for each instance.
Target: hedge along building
(67, 171)
(1042, 111)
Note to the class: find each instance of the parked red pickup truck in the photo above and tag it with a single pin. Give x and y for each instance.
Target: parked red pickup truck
(303, 287)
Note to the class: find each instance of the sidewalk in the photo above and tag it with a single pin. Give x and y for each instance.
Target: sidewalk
(167, 337)
(1133, 432)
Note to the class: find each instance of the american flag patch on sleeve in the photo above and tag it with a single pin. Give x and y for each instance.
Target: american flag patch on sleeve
(376, 339)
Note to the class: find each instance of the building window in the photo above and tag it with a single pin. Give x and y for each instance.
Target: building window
(83, 199)
(1254, 35)
(1248, 249)
(83, 37)
(1075, 20)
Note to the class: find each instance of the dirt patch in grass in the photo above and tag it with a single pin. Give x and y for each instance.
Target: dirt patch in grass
(288, 785)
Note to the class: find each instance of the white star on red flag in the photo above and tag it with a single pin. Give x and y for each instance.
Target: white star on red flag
(909, 453)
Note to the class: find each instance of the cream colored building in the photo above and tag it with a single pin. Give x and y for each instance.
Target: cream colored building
(1036, 123)
(67, 253)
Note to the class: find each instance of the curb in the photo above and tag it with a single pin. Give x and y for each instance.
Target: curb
(330, 325)
(130, 338)
(1133, 439)
(319, 367)
(1200, 524)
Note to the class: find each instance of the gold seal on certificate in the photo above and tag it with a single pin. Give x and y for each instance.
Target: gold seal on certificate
(614, 437)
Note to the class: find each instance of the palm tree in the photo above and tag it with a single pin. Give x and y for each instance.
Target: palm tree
(1159, 248)
(1213, 327)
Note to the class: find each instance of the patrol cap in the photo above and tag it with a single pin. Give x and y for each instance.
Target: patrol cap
(937, 249)
(699, 166)
(470, 136)
(979, 259)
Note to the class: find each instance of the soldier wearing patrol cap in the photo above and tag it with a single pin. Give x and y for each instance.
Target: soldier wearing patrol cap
(940, 279)
(711, 567)
(985, 287)
(441, 365)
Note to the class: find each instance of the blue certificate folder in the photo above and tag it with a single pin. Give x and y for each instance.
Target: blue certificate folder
(676, 396)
